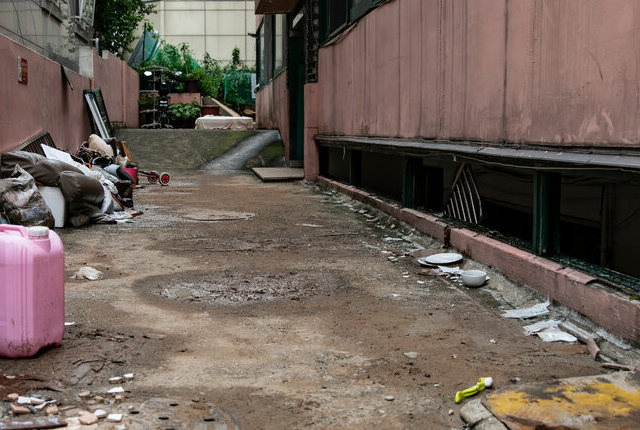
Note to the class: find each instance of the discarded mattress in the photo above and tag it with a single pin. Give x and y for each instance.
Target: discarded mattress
(213, 122)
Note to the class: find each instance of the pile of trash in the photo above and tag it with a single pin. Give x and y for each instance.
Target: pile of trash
(57, 188)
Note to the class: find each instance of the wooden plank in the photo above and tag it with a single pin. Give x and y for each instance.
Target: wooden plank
(122, 146)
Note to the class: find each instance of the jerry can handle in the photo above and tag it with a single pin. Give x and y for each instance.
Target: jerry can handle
(11, 227)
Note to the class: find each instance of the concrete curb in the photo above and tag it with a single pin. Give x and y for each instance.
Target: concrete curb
(477, 417)
(574, 289)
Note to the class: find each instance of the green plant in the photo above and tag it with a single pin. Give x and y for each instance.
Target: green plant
(188, 62)
(168, 56)
(236, 63)
(214, 70)
(146, 101)
(175, 58)
(185, 111)
(237, 82)
(116, 22)
(237, 88)
(202, 80)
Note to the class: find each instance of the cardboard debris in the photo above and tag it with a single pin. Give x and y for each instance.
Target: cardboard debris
(536, 327)
(530, 312)
(555, 335)
(548, 331)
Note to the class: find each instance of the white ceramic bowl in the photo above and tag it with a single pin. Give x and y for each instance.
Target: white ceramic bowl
(473, 278)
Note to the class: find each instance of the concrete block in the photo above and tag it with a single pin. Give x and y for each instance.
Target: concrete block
(473, 412)
(490, 424)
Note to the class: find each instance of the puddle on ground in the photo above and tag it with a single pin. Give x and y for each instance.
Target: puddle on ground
(228, 288)
(174, 414)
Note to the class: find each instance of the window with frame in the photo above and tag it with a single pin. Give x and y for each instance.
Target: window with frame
(279, 41)
(336, 15)
(265, 50)
(259, 53)
(82, 12)
(271, 47)
(53, 8)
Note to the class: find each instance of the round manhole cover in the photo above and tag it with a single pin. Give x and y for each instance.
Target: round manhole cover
(218, 215)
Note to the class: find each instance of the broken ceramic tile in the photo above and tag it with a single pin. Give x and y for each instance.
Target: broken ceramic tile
(114, 418)
(22, 400)
(116, 390)
(100, 413)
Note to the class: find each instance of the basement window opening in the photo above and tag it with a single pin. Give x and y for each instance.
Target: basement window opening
(588, 219)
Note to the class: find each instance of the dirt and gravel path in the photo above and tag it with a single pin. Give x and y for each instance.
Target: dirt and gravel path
(243, 305)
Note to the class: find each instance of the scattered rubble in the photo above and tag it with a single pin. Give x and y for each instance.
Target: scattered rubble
(87, 418)
(114, 418)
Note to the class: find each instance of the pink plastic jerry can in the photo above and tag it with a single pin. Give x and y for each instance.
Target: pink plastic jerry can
(31, 290)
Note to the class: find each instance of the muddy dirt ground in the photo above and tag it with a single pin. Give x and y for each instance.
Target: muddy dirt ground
(238, 304)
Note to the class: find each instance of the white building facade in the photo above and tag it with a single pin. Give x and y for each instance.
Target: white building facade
(213, 26)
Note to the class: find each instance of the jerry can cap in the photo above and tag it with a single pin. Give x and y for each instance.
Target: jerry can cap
(38, 231)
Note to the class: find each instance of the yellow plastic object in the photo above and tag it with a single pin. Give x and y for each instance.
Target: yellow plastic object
(472, 391)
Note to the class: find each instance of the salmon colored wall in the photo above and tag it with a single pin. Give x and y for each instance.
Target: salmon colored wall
(272, 105)
(522, 71)
(573, 71)
(311, 155)
(47, 102)
(119, 84)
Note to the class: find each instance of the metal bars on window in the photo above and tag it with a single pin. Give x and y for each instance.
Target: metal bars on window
(464, 200)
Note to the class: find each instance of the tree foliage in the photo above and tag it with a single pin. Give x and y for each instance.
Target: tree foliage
(116, 21)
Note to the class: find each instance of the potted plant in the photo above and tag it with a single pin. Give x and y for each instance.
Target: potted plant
(183, 115)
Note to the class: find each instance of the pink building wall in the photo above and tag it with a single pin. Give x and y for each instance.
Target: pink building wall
(272, 103)
(522, 71)
(47, 102)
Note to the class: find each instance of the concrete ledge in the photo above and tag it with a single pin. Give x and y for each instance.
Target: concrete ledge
(571, 288)
(426, 223)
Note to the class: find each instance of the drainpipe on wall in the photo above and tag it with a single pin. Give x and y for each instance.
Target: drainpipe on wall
(122, 92)
(85, 61)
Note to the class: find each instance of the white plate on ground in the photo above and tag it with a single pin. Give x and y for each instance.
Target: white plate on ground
(442, 258)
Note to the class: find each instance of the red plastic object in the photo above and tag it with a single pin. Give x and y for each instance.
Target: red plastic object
(133, 172)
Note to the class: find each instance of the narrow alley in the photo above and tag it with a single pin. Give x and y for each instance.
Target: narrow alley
(241, 304)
